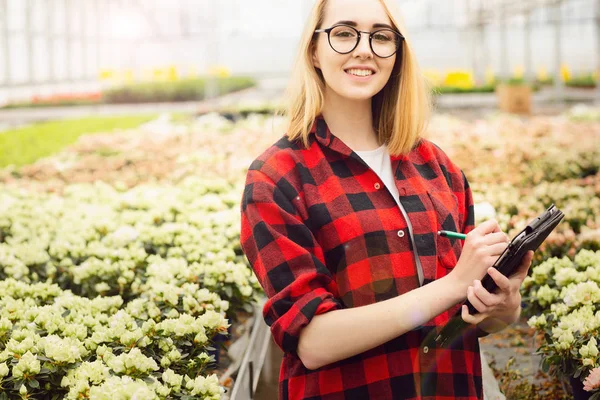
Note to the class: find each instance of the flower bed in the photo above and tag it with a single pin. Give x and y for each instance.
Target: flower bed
(108, 292)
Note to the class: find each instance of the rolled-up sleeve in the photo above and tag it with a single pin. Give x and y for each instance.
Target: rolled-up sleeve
(286, 259)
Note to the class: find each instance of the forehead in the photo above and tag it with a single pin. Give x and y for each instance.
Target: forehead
(364, 12)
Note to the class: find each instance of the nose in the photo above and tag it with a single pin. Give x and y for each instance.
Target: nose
(364, 48)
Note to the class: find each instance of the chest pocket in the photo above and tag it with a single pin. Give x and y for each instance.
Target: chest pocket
(448, 250)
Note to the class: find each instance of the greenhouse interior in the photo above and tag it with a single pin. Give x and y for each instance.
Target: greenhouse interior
(133, 135)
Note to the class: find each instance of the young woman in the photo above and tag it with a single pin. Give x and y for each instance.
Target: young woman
(340, 220)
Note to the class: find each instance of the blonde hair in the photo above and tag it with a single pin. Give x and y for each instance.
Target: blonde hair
(400, 110)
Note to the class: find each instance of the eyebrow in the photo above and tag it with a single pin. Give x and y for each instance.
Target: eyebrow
(354, 24)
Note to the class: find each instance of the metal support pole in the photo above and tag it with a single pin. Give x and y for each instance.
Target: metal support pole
(29, 41)
(558, 83)
(212, 89)
(505, 69)
(470, 29)
(598, 51)
(68, 40)
(50, 35)
(83, 37)
(529, 75)
(5, 43)
(98, 22)
(482, 55)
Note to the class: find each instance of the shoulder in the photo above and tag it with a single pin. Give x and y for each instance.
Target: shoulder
(433, 154)
(430, 153)
(284, 167)
(278, 158)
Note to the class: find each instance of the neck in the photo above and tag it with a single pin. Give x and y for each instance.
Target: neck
(351, 121)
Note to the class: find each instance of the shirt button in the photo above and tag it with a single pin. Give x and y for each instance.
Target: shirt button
(401, 233)
(377, 186)
(425, 349)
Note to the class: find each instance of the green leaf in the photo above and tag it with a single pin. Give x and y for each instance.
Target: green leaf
(33, 383)
(545, 365)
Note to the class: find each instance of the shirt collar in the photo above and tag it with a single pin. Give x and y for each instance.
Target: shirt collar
(327, 139)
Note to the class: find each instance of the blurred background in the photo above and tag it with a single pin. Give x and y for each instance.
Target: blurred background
(126, 131)
(79, 48)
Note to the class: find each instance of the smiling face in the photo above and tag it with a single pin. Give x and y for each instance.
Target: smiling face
(347, 75)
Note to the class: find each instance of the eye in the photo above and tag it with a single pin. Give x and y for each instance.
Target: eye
(343, 32)
(383, 36)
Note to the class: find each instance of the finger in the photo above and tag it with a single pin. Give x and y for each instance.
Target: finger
(476, 301)
(497, 249)
(489, 226)
(496, 237)
(523, 268)
(488, 298)
(502, 281)
(471, 319)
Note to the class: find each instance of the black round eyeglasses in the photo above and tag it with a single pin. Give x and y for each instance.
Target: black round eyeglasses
(343, 39)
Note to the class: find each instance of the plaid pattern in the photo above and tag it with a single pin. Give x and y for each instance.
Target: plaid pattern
(322, 233)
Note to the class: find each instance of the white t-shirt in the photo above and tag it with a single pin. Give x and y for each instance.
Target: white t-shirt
(380, 162)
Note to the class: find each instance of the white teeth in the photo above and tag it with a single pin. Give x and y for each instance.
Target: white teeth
(360, 72)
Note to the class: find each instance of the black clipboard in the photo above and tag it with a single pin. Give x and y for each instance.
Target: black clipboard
(528, 239)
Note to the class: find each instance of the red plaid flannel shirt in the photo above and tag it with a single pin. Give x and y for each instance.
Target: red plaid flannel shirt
(322, 233)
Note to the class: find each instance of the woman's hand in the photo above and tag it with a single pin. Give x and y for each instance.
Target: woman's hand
(504, 303)
(481, 249)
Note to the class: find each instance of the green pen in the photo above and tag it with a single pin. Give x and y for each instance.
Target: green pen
(453, 235)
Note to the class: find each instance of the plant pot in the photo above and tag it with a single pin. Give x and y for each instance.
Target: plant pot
(578, 392)
(514, 98)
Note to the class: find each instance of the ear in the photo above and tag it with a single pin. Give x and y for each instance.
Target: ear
(315, 58)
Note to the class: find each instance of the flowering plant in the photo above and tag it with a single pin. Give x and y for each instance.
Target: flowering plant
(566, 296)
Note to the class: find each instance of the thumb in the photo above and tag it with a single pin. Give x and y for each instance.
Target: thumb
(523, 268)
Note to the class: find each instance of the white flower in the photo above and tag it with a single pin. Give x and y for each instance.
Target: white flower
(545, 295)
(581, 293)
(171, 378)
(537, 321)
(590, 349)
(566, 276)
(28, 365)
(62, 350)
(3, 370)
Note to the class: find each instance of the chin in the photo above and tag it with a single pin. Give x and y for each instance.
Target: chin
(359, 95)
